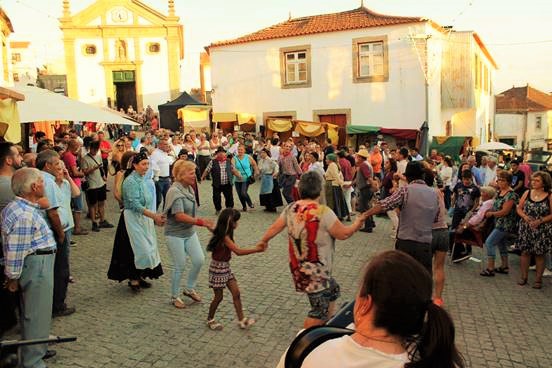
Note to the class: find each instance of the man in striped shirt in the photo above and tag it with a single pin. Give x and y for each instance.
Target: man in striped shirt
(29, 250)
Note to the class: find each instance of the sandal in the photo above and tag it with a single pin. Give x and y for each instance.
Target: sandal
(178, 303)
(246, 322)
(487, 273)
(522, 282)
(502, 270)
(537, 285)
(214, 325)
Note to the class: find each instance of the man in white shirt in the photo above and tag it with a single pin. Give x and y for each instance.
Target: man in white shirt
(161, 162)
(489, 172)
(401, 166)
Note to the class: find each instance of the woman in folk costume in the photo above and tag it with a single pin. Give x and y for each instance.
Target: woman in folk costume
(270, 196)
(135, 253)
(334, 193)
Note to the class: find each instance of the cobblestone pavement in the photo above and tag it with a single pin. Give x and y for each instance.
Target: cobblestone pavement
(498, 323)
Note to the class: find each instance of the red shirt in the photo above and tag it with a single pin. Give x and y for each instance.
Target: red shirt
(70, 160)
(346, 169)
(105, 145)
(154, 124)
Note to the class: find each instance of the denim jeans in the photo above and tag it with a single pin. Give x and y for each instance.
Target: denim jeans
(161, 188)
(497, 238)
(179, 249)
(241, 189)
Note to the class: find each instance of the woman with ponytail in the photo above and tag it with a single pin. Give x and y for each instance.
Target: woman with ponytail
(396, 324)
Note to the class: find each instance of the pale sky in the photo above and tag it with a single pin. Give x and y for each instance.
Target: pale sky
(517, 33)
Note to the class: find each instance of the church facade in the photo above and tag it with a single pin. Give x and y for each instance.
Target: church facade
(122, 53)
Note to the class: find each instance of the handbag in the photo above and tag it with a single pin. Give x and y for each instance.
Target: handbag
(250, 179)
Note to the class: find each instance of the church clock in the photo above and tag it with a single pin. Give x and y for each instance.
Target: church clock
(119, 14)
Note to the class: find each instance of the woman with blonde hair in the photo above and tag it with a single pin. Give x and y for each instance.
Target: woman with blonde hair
(182, 240)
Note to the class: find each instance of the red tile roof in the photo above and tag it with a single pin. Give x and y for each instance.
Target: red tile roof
(352, 19)
(521, 99)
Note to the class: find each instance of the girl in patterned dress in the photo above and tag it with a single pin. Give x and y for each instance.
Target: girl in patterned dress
(221, 247)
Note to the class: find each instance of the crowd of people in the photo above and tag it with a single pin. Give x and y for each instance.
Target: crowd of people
(325, 187)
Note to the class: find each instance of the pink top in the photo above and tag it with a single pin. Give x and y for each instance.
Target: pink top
(479, 216)
(526, 169)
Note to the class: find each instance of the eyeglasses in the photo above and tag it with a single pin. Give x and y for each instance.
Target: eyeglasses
(120, 145)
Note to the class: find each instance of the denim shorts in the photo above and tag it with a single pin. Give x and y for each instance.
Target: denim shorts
(77, 203)
(320, 301)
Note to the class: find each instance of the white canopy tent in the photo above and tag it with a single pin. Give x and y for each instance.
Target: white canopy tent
(43, 105)
(495, 146)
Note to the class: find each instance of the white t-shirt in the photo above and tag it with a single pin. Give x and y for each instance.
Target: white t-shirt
(160, 163)
(344, 352)
(401, 168)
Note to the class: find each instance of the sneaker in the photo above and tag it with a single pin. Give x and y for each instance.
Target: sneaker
(64, 312)
(105, 225)
(461, 258)
(547, 273)
(533, 268)
(192, 294)
(95, 227)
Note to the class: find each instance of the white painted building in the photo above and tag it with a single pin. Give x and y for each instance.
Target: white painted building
(23, 59)
(122, 53)
(355, 68)
(6, 29)
(524, 118)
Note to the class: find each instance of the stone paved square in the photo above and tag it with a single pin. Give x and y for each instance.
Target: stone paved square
(498, 323)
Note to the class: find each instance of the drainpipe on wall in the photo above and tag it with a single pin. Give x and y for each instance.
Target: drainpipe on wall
(524, 143)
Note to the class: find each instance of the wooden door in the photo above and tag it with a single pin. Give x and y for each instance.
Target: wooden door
(339, 120)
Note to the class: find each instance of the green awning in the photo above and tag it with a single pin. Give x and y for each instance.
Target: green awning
(450, 146)
(362, 129)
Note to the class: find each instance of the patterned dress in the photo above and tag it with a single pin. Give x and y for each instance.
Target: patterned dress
(536, 241)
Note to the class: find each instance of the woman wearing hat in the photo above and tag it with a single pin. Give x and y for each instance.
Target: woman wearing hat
(334, 194)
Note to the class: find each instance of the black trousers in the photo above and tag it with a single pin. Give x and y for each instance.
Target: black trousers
(421, 252)
(363, 205)
(202, 163)
(286, 183)
(61, 273)
(226, 190)
(457, 218)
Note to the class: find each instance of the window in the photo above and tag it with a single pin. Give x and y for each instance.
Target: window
(90, 50)
(154, 48)
(538, 122)
(370, 60)
(295, 67)
(16, 57)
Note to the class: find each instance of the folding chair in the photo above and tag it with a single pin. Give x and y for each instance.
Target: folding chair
(474, 238)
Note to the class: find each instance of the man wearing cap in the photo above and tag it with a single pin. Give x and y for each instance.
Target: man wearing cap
(221, 170)
(419, 206)
(363, 184)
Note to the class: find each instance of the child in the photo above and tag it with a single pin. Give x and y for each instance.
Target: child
(221, 246)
